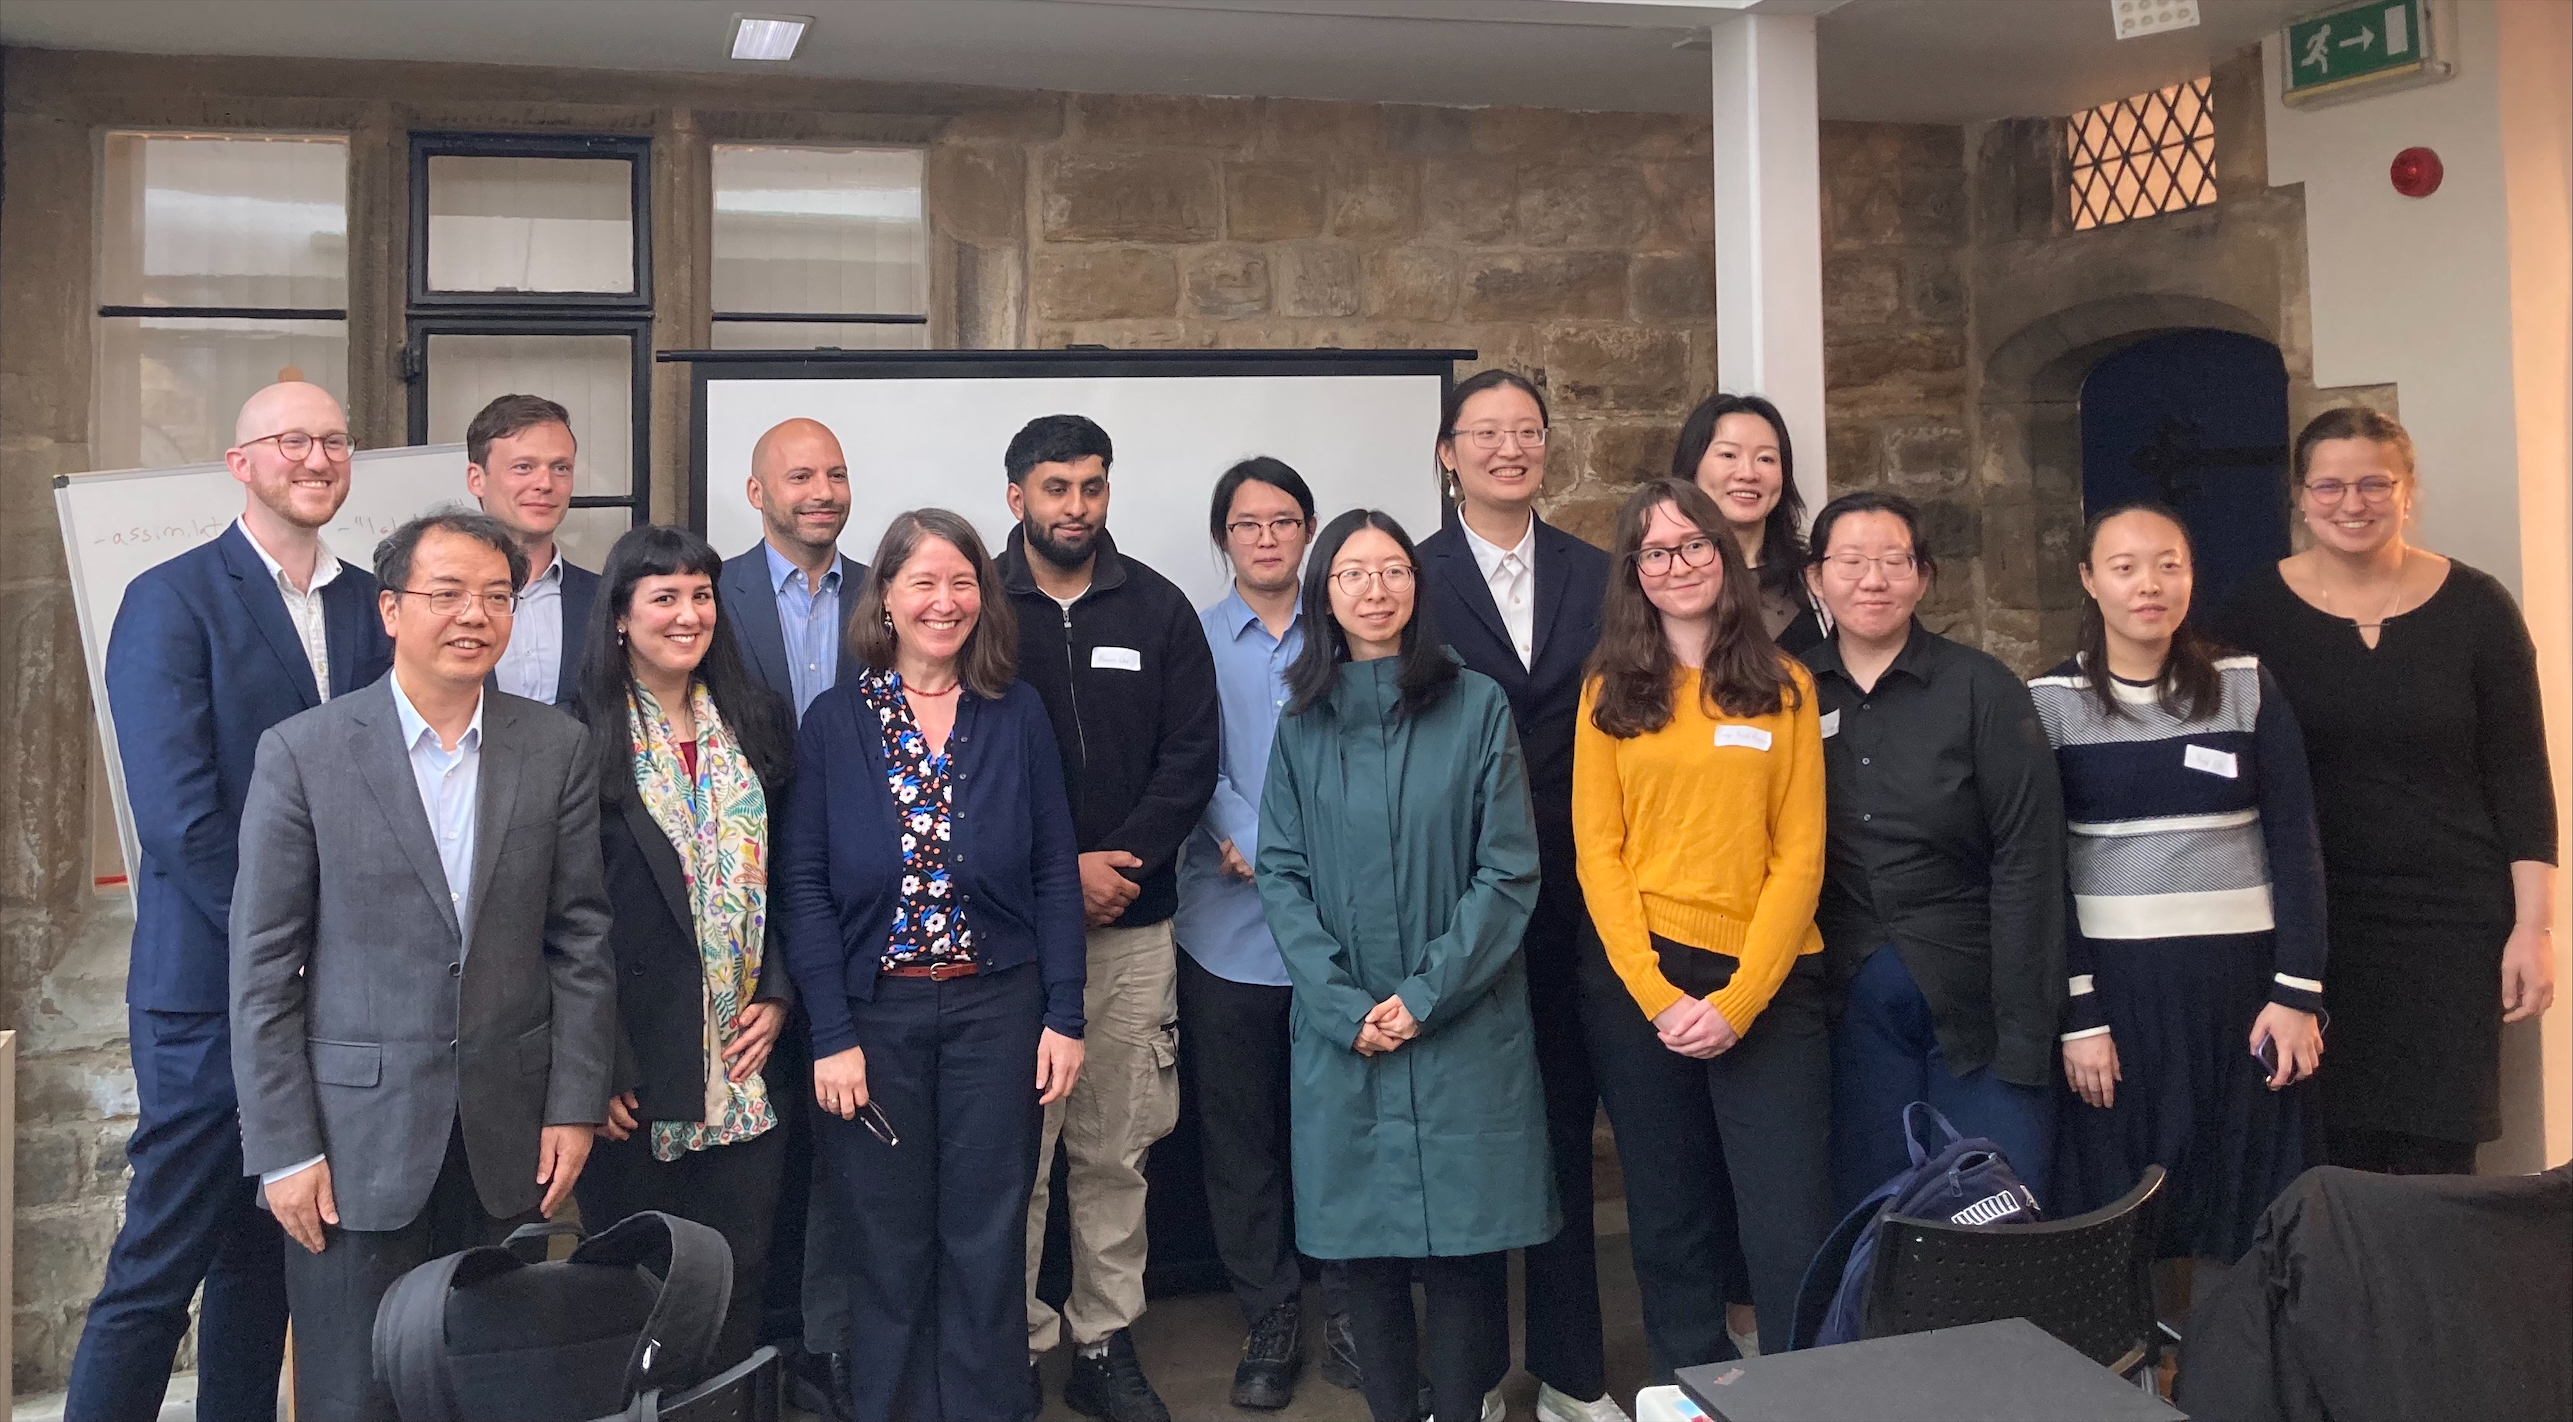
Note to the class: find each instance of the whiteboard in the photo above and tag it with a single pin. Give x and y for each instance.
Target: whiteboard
(119, 523)
(1358, 440)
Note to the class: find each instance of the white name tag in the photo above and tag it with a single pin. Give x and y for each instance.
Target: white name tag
(1831, 724)
(1750, 736)
(2213, 762)
(1117, 658)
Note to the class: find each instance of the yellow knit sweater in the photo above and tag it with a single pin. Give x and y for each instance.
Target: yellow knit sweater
(1708, 831)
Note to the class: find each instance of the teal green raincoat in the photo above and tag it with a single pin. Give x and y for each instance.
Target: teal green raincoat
(1400, 856)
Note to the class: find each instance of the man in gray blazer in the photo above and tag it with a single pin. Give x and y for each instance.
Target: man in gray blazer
(423, 1009)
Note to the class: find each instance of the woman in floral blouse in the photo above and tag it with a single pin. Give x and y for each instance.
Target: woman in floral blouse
(694, 757)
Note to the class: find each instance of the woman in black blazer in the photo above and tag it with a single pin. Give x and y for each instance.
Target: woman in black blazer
(694, 757)
(1518, 599)
(931, 902)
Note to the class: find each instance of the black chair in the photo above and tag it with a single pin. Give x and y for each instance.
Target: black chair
(2086, 1280)
(752, 1391)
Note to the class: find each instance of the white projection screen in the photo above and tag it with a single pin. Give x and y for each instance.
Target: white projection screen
(929, 428)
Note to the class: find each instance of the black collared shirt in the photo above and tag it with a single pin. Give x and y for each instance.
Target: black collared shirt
(1947, 841)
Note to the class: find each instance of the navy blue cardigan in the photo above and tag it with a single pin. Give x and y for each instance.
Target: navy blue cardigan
(839, 855)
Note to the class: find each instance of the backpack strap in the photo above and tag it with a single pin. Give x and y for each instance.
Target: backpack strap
(529, 1241)
(1912, 1133)
(411, 1331)
(679, 1336)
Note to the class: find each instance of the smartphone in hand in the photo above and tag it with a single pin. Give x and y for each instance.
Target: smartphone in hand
(2266, 1051)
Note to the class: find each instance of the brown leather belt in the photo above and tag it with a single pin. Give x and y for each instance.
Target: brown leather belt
(935, 972)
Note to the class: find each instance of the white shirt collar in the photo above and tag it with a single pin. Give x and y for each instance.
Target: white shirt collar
(553, 570)
(414, 725)
(325, 565)
(1488, 555)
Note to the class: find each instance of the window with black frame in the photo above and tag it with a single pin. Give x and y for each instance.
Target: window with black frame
(818, 248)
(531, 273)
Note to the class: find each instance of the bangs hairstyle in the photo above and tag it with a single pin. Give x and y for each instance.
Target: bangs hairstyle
(988, 662)
(604, 690)
(1871, 501)
(1259, 469)
(1453, 408)
(2353, 422)
(2190, 687)
(1745, 675)
(1428, 672)
(1782, 547)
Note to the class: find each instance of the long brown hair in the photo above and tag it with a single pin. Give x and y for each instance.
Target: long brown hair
(1746, 674)
(2189, 687)
(988, 662)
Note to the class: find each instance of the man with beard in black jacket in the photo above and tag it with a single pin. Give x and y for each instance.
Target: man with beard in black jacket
(1119, 656)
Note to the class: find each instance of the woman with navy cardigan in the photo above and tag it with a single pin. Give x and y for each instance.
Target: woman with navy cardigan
(932, 908)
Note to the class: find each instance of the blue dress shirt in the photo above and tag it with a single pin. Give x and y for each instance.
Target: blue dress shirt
(1219, 922)
(809, 622)
(450, 783)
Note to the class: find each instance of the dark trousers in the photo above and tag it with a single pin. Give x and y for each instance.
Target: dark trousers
(1468, 1320)
(335, 1293)
(936, 1226)
(1565, 1337)
(1753, 1118)
(1234, 1038)
(2397, 1153)
(1885, 1056)
(191, 1217)
(731, 1189)
(790, 1095)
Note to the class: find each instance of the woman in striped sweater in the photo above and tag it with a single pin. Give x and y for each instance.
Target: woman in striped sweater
(2196, 956)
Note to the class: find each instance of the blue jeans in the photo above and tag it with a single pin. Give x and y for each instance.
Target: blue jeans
(1885, 1056)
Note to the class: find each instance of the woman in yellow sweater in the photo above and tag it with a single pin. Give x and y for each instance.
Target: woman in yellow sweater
(1697, 809)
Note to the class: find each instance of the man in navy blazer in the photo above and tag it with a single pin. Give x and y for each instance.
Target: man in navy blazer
(209, 650)
(519, 455)
(789, 598)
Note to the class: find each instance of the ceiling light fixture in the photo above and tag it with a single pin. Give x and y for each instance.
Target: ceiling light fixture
(768, 37)
(2145, 17)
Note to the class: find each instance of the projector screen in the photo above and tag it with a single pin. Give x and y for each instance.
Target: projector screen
(1359, 426)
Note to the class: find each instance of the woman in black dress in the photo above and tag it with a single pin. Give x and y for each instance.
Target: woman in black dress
(2415, 682)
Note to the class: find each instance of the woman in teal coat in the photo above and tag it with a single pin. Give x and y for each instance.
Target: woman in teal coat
(1397, 869)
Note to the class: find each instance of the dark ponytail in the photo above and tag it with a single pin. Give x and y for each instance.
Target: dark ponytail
(2190, 686)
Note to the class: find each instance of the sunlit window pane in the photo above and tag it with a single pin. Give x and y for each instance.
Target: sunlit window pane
(819, 230)
(168, 388)
(812, 335)
(531, 224)
(2127, 157)
(591, 377)
(214, 220)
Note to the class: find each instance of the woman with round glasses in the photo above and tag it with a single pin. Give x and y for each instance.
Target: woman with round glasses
(1518, 600)
(2415, 682)
(1397, 867)
(1698, 806)
(1942, 909)
(1735, 448)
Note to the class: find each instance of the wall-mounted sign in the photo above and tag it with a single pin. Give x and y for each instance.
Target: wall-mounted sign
(2367, 48)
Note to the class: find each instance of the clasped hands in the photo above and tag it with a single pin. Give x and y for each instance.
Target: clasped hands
(1693, 1027)
(1386, 1026)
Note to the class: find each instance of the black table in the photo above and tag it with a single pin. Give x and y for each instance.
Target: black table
(2010, 1371)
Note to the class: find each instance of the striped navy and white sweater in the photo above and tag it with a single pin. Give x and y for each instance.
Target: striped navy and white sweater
(2186, 828)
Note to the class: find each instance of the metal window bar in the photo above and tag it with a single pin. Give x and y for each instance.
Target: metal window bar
(2142, 156)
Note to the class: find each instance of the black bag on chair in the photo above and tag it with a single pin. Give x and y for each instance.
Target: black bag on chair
(498, 1332)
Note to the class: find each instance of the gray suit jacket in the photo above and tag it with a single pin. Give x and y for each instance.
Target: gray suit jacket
(365, 1020)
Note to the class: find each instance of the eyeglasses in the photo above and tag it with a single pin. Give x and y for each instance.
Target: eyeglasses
(1353, 581)
(451, 602)
(1248, 530)
(2376, 489)
(296, 444)
(1696, 553)
(873, 1118)
(1853, 566)
(1533, 437)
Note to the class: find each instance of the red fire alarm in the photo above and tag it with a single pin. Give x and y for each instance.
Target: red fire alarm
(2416, 172)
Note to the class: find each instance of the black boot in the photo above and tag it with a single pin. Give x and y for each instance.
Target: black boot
(1340, 1353)
(821, 1384)
(1272, 1359)
(1113, 1386)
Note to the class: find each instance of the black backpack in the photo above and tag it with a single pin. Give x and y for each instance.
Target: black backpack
(499, 1332)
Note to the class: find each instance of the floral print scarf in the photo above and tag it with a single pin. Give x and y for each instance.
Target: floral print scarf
(718, 821)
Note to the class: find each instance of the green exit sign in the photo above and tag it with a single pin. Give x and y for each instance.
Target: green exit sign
(2366, 47)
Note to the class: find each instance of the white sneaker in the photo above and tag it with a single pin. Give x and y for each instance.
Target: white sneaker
(1554, 1406)
(1494, 1409)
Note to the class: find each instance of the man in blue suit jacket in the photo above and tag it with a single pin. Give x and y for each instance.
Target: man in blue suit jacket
(519, 455)
(789, 598)
(209, 650)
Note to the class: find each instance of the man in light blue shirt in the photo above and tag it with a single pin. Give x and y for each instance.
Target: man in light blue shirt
(1233, 992)
(791, 596)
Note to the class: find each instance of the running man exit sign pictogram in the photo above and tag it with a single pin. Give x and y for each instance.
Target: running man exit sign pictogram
(2367, 47)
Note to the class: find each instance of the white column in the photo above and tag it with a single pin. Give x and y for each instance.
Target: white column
(1768, 227)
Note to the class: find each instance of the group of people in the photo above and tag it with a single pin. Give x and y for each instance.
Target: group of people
(846, 895)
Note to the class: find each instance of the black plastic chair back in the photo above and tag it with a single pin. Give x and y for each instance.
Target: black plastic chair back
(752, 1391)
(2086, 1280)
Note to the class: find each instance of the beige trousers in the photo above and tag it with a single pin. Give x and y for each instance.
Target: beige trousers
(1127, 1098)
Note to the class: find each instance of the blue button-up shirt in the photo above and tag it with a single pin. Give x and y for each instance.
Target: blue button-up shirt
(810, 623)
(1219, 922)
(450, 782)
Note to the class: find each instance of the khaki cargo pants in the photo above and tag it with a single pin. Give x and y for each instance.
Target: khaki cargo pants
(1127, 1098)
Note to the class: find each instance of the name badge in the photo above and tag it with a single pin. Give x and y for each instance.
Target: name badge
(1831, 724)
(2213, 762)
(1751, 737)
(1116, 659)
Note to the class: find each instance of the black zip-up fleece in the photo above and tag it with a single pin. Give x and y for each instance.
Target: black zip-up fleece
(1126, 675)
